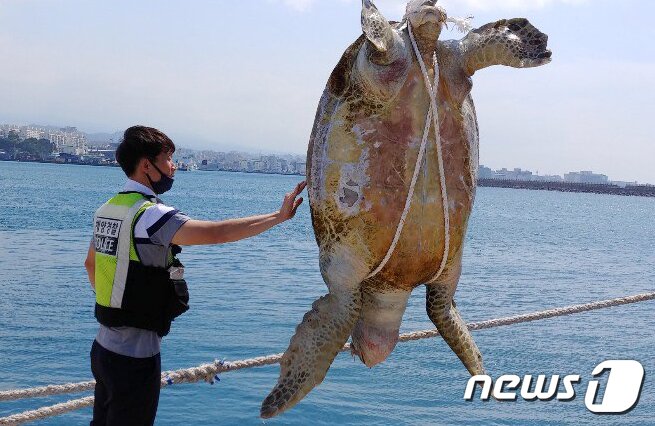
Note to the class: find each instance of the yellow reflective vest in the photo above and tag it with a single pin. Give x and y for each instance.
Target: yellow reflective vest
(127, 292)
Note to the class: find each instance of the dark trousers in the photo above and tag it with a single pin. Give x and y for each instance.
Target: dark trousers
(127, 389)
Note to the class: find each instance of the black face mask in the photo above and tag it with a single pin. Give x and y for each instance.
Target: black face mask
(163, 184)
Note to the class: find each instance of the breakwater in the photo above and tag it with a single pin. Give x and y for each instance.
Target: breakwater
(630, 190)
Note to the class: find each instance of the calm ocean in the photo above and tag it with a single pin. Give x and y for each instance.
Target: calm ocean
(526, 251)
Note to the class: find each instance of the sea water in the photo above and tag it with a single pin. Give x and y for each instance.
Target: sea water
(525, 251)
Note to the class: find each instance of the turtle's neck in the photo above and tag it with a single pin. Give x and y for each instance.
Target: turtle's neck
(427, 37)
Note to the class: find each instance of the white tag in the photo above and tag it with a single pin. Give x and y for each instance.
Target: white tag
(105, 234)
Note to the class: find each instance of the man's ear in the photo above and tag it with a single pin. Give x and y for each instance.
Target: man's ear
(143, 166)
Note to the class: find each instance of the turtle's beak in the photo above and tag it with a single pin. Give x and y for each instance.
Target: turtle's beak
(430, 14)
(443, 17)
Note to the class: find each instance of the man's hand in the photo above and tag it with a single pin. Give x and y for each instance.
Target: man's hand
(290, 204)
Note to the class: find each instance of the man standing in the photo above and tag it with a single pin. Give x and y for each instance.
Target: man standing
(138, 280)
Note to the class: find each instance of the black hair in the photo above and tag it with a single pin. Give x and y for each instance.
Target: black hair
(141, 142)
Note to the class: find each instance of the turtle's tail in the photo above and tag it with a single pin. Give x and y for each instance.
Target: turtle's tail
(371, 344)
(376, 332)
(318, 339)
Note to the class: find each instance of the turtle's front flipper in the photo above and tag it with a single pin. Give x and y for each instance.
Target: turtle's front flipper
(444, 314)
(512, 42)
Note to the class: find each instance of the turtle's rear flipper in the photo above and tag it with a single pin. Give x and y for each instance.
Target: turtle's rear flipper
(319, 337)
(443, 313)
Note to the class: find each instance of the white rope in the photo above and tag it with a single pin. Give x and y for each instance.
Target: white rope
(47, 390)
(408, 201)
(46, 412)
(432, 91)
(431, 120)
(461, 24)
(209, 371)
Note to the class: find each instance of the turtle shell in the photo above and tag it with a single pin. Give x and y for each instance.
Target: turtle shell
(362, 155)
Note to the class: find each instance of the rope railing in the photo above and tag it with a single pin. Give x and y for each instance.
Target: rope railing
(209, 371)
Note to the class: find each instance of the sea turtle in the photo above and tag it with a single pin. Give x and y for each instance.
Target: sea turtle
(361, 160)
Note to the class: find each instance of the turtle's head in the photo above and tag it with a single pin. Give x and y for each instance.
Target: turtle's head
(425, 16)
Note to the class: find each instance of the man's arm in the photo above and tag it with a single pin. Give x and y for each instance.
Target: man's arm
(90, 265)
(197, 232)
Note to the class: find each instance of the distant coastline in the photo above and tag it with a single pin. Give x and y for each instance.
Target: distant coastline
(592, 188)
(609, 189)
(77, 163)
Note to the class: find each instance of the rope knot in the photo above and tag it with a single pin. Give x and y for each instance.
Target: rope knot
(218, 366)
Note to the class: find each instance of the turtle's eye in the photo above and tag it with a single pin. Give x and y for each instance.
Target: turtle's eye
(444, 16)
(383, 74)
(380, 58)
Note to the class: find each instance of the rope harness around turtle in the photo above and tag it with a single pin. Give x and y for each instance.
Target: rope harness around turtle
(432, 120)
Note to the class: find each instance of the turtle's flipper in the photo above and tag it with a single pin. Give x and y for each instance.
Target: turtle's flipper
(512, 42)
(319, 337)
(443, 313)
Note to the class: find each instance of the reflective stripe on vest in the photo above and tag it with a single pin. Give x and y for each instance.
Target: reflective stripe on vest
(114, 245)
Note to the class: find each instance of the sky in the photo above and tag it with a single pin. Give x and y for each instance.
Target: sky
(248, 75)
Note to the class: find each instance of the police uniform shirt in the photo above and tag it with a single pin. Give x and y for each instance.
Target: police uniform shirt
(153, 233)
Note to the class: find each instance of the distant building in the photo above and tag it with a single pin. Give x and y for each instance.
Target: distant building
(103, 155)
(69, 158)
(208, 165)
(623, 184)
(485, 172)
(69, 140)
(6, 129)
(516, 174)
(547, 178)
(284, 166)
(245, 165)
(585, 177)
(258, 166)
(33, 132)
(274, 166)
